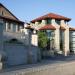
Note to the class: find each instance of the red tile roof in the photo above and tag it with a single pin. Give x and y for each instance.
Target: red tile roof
(48, 27)
(53, 16)
(62, 28)
(72, 29)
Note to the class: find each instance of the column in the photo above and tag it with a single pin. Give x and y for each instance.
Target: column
(66, 41)
(57, 35)
(6, 26)
(57, 40)
(43, 22)
(34, 40)
(62, 23)
(53, 22)
(36, 23)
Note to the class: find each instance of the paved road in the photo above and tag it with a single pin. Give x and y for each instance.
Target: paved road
(44, 64)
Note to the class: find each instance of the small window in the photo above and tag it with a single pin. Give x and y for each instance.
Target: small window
(57, 21)
(48, 21)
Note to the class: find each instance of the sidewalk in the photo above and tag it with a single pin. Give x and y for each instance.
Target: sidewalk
(46, 64)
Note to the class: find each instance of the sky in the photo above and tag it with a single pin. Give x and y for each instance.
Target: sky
(27, 10)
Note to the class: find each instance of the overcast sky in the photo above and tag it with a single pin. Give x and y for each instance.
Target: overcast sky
(31, 9)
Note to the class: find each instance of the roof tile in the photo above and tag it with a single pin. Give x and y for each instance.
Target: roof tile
(53, 16)
(48, 27)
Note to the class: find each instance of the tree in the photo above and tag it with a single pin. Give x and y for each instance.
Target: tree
(42, 39)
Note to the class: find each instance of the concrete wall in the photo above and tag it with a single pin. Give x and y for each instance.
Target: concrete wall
(16, 54)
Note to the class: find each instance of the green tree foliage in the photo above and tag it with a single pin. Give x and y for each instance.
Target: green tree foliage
(42, 39)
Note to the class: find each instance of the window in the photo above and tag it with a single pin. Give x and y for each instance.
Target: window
(14, 27)
(48, 21)
(18, 28)
(2, 13)
(39, 22)
(9, 26)
(57, 21)
(61, 39)
(50, 33)
(4, 26)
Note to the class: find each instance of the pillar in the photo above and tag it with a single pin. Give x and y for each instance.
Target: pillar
(16, 28)
(34, 39)
(43, 22)
(57, 40)
(11, 27)
(57, 35)
(66, 37)
(6, 26)
(66, 42)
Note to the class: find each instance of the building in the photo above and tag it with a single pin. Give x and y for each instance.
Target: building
(58, 30)
(19, 43)
(15, 44)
